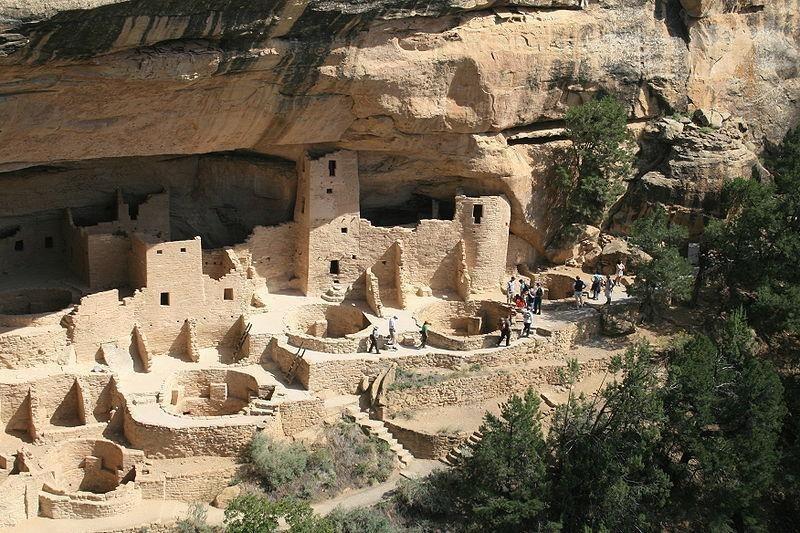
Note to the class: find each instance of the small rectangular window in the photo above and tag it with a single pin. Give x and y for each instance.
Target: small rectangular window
(183, 250)
(164, 298)
(477, 213)
(159, 252)
(344, 230)
(19, 246)
(332, 168)
(48, 242)
(329, 191)
(334, 267)
(227, 294)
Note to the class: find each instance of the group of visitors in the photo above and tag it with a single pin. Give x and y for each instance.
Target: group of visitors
(527, 300)
(599, 284)
(391, 341)
(527, 297)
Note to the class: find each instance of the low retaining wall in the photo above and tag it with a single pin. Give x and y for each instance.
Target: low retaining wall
(470, 389)
(462, 343)
(170, 438)
(33, 346)
(201, 486)
(88, 504)
(346, 344)
(423, 445)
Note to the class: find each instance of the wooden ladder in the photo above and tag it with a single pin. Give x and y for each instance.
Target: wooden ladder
(298, 356)
(242, 339)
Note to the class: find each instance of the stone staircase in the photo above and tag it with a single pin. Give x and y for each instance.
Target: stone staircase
(455, 455)
(377, 429)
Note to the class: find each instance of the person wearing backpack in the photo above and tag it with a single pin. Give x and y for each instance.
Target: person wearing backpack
(527, 321)
(537, 299)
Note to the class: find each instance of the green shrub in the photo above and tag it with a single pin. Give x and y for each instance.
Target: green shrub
(195, 521)
(346, 458)
(359, 520)
(277, 463)
(408, 379)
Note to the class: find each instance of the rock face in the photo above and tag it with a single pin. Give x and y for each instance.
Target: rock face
(688, 162)
(437, 97)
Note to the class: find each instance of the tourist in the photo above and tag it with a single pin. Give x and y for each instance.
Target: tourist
(523, 286)
(519, 301)
(373, 340)
(609, 288)
(423, 333)
(579, 286)
(620, 271)
(597, 282)
(393, 330)
(527, 321)
(510, 290)
(529, 299)
(505, 332)
(537, 299)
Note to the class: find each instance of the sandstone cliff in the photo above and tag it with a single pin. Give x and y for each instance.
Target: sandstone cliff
(436, 96)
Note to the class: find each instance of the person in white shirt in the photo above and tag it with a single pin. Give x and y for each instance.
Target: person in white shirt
(393, 330)
(620, 271)
(511, 290)
(527, 321)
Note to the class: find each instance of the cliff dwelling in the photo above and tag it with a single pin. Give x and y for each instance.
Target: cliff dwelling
(233, 230)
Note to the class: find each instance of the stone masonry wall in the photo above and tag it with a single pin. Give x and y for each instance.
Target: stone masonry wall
(298, 416)
(470, 389)
(226, 439)
(423, 445)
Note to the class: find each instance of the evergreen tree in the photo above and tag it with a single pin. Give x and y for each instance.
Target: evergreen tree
(755, 251)
(725, 409)
(604, 471)
(668, 276)
(598, 160)
(503, 485)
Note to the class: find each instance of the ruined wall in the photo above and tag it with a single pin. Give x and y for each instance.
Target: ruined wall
(60, 400)
(30, 347)
(100, 253)
(273, 253)
(192, 486)
(20, 499)
(100, 317)
(182, 438)
(298, 416)
(421, 444)
(31, 244)
(341, 246)
(88, 505)
(172, 289)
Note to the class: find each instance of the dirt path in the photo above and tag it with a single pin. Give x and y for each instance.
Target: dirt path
(371, 495)
(145, 514)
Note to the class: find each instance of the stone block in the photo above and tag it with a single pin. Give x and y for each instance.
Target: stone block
(176, 395)
(92, 463)
(225, 496)
(218, 392)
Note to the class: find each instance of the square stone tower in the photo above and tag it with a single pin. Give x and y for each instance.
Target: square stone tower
(327, 212)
